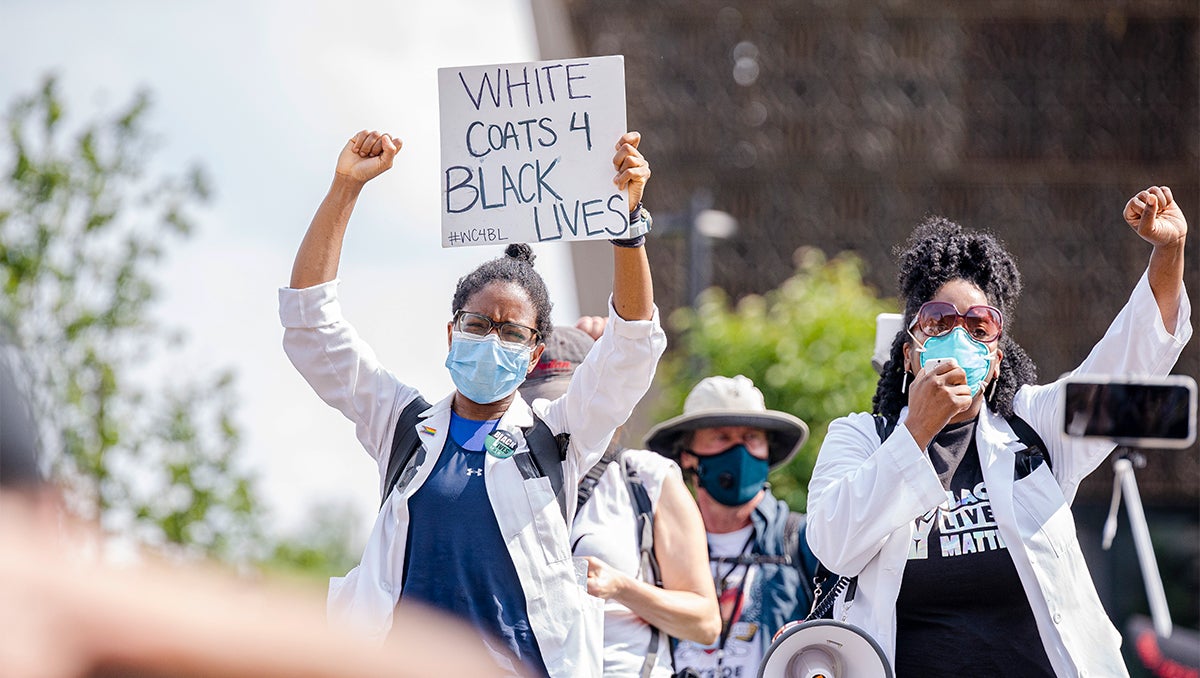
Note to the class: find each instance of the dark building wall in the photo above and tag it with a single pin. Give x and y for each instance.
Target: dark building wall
(840, 124)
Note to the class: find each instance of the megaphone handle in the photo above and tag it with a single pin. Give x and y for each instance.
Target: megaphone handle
(823, 605)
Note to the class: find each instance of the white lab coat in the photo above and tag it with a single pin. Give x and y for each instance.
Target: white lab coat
(343, 370)
(865, 495)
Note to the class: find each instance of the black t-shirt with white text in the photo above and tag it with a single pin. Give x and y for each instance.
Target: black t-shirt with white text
(962, 610)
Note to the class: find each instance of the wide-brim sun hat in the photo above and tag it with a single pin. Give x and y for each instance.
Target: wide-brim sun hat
(730, 401)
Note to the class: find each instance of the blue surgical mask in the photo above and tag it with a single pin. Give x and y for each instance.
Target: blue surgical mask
(732, 477)
(973, 356)
(485, 369)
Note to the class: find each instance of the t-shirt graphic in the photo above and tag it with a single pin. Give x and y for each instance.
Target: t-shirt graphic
(740, 600)
(962, 526)
(962, 610)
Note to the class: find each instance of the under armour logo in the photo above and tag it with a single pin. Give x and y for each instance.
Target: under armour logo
(474, 472)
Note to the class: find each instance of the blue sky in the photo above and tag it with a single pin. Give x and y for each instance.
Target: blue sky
(263, 95)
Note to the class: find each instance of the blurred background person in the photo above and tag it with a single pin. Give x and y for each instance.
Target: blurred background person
(65, 614)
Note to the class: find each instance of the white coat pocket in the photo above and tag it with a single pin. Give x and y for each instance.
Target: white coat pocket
(547, 519)
(591, 660)
(339, 602)
(1042, 513)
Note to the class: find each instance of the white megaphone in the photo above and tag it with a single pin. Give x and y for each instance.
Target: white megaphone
(824, 648)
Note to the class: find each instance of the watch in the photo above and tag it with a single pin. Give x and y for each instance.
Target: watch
(640, 221)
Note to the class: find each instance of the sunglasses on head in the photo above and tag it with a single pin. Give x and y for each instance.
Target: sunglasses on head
(935, 318)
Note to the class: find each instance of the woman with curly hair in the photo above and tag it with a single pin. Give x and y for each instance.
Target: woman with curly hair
(472, 525)
(951, 513)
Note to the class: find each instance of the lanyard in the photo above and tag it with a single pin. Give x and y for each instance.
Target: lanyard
(727, 623)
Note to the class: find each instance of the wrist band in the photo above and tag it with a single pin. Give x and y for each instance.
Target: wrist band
(629, 242)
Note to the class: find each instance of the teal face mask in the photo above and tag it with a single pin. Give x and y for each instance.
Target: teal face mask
(732, 477)
(485, 369)
(974, 357)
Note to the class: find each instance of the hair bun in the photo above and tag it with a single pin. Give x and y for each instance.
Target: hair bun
(521, 252)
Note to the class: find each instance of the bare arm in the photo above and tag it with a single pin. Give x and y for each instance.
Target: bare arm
(633, 290)
(1155, 215)
(686, 606)
(365, 156)
(175, 623)
(65, 617)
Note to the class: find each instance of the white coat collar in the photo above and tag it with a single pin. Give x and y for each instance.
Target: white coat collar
(997, 446)
(518, 416)
(439, 407)
(432, 428)
(433, 425)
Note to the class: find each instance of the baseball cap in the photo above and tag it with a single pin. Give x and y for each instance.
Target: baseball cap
(565, 350)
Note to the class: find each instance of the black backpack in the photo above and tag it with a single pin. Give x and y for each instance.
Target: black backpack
(544, 459)
(1028, 459)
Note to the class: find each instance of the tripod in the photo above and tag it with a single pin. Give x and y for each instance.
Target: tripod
(1124, 461)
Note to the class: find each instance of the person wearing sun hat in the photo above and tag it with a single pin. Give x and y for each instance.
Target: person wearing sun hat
(728, 441)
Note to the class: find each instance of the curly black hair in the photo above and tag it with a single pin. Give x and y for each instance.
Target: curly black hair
(516, 266)
(937, 252)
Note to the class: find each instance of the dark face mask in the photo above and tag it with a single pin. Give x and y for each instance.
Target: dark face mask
(732, 477)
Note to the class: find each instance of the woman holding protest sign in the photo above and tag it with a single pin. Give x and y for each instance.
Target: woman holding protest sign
(474, 516)
(951, 503)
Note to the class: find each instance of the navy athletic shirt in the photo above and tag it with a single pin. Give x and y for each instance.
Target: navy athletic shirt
(456, 559)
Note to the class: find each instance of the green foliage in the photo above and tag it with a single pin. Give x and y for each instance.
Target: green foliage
(81, 230)
(807, 345)
(324, 550)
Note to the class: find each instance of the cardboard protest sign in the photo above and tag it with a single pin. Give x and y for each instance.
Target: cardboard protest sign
(527, 151)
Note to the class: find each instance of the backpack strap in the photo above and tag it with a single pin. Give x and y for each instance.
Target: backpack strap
(1035, 451)
(795, 546)
(547, 453)
(643, 510)
(822, 601)
(884, 426)
(1035, 447)
(1027, 460)
(588, 485)
(405, 444)
(791, 537)
(643, 518)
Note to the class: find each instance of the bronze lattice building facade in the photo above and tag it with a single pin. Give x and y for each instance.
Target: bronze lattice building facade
(839, 125)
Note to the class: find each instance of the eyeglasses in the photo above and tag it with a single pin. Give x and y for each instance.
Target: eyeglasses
(935, 318)
(481, 326)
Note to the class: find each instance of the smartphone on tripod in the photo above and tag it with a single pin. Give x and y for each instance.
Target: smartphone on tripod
(1151, 412)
